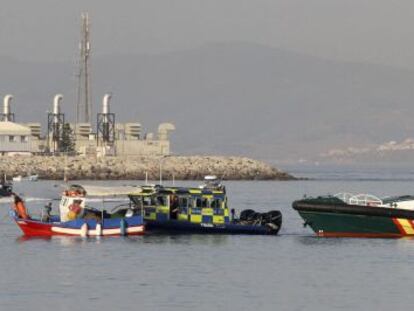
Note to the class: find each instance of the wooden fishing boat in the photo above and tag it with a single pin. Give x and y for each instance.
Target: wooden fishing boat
(78, 220)
(202, 209)
(362, 215)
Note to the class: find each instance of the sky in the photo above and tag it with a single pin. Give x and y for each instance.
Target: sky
(261, 62)
(374, 31)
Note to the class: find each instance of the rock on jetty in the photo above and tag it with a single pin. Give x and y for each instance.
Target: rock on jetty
(178, 167)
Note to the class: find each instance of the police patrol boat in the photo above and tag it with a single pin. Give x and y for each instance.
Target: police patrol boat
(75, 218)
(361, 215)
(202, 209)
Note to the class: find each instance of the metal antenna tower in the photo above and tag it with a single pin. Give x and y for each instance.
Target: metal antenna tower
(84, 104)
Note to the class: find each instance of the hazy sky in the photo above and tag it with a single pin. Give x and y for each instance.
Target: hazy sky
(379, 31)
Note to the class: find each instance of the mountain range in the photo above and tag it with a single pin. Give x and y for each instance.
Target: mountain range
(233, 98)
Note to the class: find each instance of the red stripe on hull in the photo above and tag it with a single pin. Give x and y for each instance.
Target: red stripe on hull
(32, 228)
(398, 225)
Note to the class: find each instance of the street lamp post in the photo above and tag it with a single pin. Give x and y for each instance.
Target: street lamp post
(162, 158)
(160, 165)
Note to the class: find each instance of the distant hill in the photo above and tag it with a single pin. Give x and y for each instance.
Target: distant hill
(234, 98)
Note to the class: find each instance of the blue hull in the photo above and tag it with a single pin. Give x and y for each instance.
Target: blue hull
(110, 223)
(175, 226)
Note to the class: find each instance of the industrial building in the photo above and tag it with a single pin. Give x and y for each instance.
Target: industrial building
(14, 138)
(108, 138)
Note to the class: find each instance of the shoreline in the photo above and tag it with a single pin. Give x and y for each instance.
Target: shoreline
(137, 167)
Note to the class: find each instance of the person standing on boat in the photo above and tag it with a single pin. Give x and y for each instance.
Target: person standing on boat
(174, 207)
(46, 212)
(20, 208)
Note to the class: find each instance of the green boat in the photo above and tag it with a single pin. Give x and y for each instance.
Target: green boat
(361, 215)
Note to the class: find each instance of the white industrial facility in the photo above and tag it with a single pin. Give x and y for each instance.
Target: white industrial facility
(108, 138)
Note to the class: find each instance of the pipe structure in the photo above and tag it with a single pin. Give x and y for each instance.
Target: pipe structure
(56, 103)
(6, 107)
(105, 132)
(56, 107)
(105, 103)
(55, 122)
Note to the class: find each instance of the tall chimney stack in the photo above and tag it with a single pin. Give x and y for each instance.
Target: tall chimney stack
(7, 115)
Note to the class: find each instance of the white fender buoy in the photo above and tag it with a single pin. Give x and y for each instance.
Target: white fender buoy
(98, 229)
(84, 230)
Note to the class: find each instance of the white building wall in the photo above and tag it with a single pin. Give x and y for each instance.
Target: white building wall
(15, 143)
(142, 147)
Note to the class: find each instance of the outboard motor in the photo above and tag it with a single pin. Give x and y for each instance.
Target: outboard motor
(272, 220)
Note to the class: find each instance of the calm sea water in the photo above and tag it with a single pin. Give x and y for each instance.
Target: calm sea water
(292, 271)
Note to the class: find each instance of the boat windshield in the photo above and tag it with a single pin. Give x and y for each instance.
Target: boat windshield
(344, 196)
(359, 199)
(365, 200)
(149, 200)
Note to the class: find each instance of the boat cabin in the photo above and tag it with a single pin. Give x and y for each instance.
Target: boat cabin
(203, 205)
(72, 203)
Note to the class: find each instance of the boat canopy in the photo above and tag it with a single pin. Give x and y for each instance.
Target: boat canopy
(103, 191)
(157, 189)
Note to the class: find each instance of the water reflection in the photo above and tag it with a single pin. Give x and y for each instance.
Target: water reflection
(61, 240)
(293, 271)
(24, 238)
(149, 238)
(314, 240)
(194, 239)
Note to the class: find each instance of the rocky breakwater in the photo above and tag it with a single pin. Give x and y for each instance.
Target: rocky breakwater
(178, 167)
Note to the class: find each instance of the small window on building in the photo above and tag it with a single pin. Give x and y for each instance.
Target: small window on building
(23, 139)
(11, 138)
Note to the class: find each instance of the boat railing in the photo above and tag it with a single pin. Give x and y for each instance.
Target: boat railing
(365, 200)
(359, 199)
